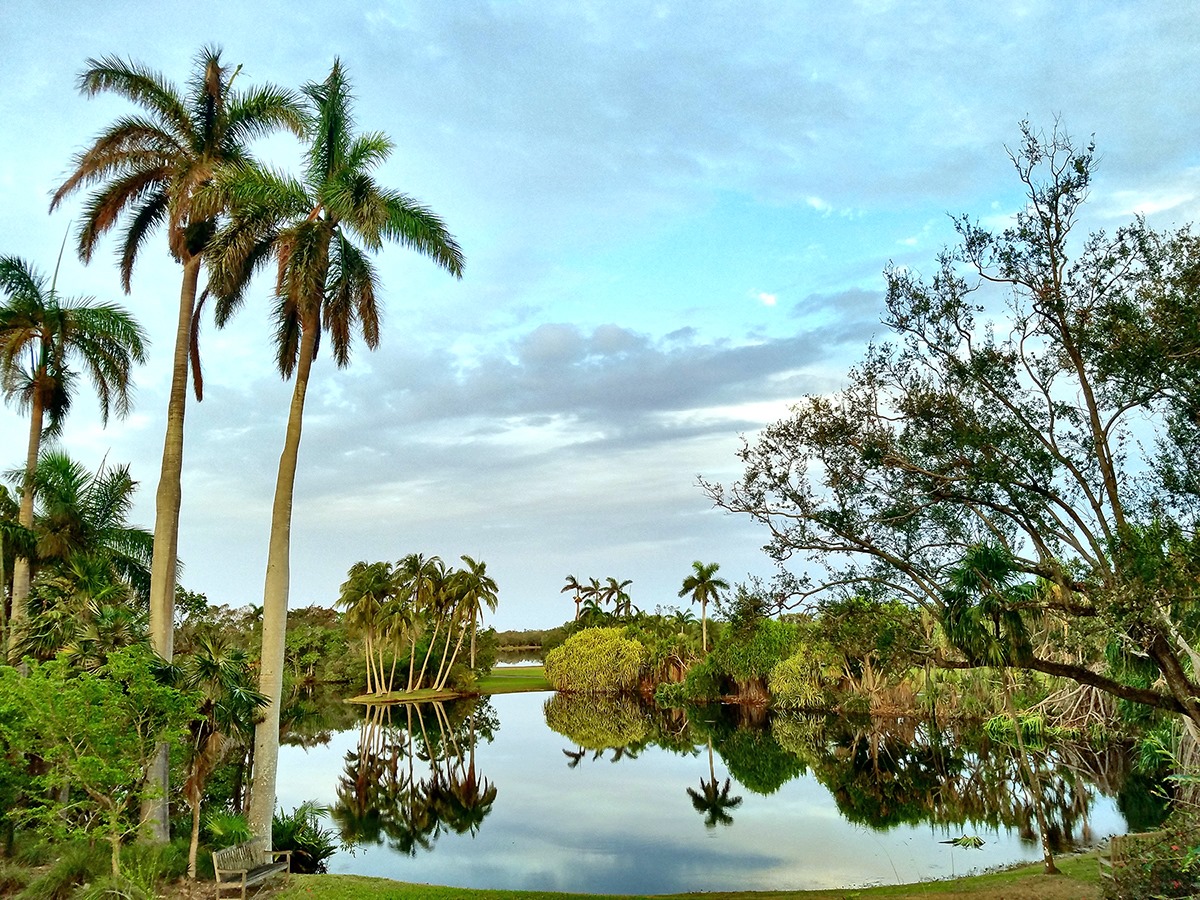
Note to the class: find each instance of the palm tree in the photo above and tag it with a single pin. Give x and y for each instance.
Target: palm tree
(614, 592)
(713, 798)
(366, 591)
(473, 589)
(43, 337)
(220, 674)
(574, 585)
(703, 585)
(146, 169)
(83, 514)
(324, 280)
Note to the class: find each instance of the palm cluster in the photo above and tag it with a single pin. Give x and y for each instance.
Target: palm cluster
(592, 596)
(416, 609)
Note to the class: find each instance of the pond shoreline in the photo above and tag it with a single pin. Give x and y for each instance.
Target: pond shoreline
(1079, 880)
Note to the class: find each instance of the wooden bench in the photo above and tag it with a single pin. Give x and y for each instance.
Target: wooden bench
(245, 864)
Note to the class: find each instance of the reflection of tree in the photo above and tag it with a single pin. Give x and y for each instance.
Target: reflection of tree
(598, 723)
(751, 754)
(882, 773)
(406, 784)
(713, 798)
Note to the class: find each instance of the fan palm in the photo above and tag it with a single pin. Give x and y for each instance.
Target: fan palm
(43, 338)
(703, 585)
(146, 169)
(324, 280)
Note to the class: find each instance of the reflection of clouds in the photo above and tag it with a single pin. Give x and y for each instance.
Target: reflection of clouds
(629, 827)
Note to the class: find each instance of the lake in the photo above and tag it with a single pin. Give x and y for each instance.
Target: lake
(626, 798)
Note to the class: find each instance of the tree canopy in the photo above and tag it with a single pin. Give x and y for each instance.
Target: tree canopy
(1036, 405)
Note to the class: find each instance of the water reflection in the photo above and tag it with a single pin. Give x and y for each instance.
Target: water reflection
(413, 776)
(619, 796)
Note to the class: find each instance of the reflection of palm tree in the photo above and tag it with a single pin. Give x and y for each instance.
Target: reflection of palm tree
(713, 798)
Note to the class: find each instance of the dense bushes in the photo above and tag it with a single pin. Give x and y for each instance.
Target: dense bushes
(596, 661)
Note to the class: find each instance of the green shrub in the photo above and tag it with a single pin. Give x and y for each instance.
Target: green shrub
(224, 829)
(797, 682)
(78, 864)
(595, 661)
(300, 831)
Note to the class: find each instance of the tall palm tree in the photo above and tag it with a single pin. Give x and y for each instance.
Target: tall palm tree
(574, 585)
(703, 585)
(44, 338)
(614, 592)
(146, 169)
(324, 279)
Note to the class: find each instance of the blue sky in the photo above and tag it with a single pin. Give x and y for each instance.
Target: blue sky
(675, 217)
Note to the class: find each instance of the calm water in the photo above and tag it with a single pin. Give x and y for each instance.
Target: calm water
(542, 812)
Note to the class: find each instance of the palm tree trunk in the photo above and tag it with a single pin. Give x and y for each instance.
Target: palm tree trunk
(275, 602)
(155, 812)
(442, 667)
(442, 679)
(704, 623)
(22, 568)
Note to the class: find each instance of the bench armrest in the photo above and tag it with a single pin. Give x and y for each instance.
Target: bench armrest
(286, 854)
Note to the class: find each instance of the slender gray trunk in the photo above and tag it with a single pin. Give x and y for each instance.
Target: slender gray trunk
(275, 603)
(155, 812)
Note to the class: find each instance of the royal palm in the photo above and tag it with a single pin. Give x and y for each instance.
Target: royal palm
(44, 340)
(703, 585)
(318, 230)
(146, 169)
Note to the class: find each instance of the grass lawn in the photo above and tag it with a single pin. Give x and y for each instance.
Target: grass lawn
(1079, 881)
(509, 680)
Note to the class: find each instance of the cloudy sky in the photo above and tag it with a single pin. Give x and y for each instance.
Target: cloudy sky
(675, 217)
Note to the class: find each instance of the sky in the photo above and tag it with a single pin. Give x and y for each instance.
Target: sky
(675, 217)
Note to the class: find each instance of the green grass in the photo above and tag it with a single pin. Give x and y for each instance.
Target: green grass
(1078, 882)
(515, 679)
(510, 680)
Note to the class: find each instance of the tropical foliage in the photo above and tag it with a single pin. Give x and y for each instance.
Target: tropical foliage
(1036, 403)
(44, 340)
(416, 615)
(596, 661)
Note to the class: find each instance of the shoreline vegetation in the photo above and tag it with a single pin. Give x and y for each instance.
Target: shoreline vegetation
(506, 680)
(1079, 880)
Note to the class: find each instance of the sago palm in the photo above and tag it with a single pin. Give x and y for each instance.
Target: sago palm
(319, 231)
(45, 340)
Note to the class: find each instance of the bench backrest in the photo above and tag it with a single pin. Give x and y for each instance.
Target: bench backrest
(241, 856)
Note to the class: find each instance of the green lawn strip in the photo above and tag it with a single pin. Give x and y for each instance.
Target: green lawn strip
(1078, 880)
(514, 679)
(510, 680)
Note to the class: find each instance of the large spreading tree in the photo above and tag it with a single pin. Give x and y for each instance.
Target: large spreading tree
(319, 230)
(1037, 404)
